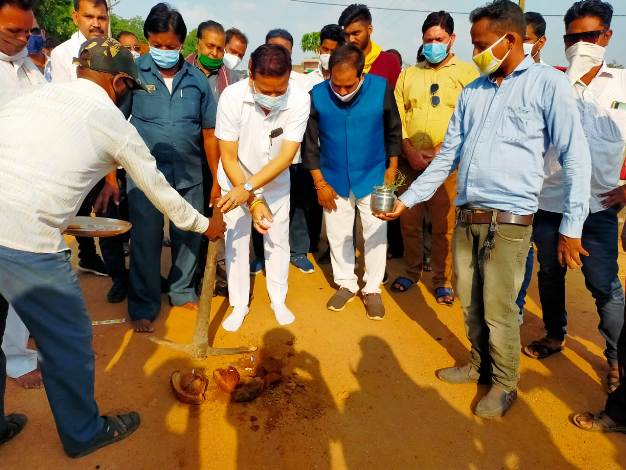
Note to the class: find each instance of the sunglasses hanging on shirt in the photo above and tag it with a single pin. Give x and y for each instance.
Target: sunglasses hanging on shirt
(434, 99)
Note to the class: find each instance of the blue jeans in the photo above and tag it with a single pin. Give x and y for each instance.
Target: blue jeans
(528, 276)
(146, 237)
(44, 290)
(599, 268)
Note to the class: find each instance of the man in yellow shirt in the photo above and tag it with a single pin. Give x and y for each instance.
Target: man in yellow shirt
(426, 95)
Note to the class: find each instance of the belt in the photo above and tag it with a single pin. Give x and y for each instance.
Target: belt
(480, 216)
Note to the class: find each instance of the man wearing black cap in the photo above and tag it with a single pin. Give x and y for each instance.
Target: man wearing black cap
(82, 131)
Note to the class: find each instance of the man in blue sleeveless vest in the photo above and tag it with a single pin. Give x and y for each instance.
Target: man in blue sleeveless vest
(351, 145)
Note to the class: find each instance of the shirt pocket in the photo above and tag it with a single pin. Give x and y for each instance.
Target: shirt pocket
(514, 123)
(148, 106)
(189, 104)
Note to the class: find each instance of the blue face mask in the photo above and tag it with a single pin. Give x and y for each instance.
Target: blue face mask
(271, 103)
(165, 59)
(435, 52)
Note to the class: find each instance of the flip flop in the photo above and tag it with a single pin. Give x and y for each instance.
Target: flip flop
(402, 284)
(600, 422)
(541, 348)
(444, 295)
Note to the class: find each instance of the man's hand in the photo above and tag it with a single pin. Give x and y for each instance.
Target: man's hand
(418, 159)
(261, 218)
(217, 227)
(397, 212)
(233, 199)
(326, 196)
(108, 193)
(569, 251)
(216, 194)
(615, 197)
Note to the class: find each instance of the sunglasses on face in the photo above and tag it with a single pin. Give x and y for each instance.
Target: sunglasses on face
(587, 36)
(134, 48)
(434, 99)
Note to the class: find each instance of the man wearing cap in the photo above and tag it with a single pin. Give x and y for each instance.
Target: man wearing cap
(80, 128)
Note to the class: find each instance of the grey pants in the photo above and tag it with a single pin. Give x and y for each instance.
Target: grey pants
(487, 286)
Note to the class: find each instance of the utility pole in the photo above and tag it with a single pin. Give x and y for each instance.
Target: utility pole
(522, 4)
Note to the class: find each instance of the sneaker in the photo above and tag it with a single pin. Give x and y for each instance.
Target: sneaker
(257, 265)
(93, 265)
(374, 306)
(303, 264)
(341, 298)
(118, 292)
(496, 403)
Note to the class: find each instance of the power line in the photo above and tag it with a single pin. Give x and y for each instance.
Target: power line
(314, 2)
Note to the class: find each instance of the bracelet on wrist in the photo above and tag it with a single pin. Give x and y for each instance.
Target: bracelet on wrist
(320, 185)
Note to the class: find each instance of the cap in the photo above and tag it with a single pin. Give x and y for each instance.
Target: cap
(109, 56)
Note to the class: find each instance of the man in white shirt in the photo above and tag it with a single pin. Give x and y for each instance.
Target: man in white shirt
(260, 124)
(303, 198)
(81, 130)
(18, 72)
(597, 87)
(92, 19)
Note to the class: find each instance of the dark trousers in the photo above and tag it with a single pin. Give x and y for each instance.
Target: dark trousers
(144, 295)
(301, 188)
(44, 290)
(600, 269)
(616, 402)
(113, 247)
(528, 276)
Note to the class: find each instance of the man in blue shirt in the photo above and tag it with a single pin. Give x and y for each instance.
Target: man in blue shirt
(497, 138)
(176, 120)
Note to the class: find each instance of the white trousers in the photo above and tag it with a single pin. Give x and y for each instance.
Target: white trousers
(339, 229)
(277, 255)
(20, 359)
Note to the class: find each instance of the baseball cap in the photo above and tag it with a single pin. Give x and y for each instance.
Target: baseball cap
(107, 55)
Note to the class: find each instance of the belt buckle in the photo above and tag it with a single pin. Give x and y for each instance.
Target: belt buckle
(465, 216)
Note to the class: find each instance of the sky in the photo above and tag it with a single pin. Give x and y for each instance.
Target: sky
(399, 30)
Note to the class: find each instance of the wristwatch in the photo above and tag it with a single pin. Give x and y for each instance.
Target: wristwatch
(248, 187)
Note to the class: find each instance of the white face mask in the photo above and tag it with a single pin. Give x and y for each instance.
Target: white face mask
(135, 54)
(324, 60)
(231, 61)
(582, 57)
(528, 48)
(347, 98)
(19, 57)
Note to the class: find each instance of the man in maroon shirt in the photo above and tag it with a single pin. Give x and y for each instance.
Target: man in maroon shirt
(356, 21)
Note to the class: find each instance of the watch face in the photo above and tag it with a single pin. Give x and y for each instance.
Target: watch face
(247, 187)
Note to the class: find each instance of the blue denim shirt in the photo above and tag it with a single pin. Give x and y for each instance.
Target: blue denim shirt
(171, 124)
(497, 139)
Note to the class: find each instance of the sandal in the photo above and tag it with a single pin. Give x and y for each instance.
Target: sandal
(444, 295)
(597, 422)
(402, 284)
(542, 348)
(115, 429)
(15, 423)
(612, 379)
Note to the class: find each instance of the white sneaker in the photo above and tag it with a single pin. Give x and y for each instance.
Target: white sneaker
(233, 322)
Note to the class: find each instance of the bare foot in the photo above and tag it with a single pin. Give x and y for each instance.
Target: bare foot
(143, 326)
(30, 381)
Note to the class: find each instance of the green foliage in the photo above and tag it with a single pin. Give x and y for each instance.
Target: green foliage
(134, 25)
(189, 47)
(615, 65)
(310, 42)
(55, 16)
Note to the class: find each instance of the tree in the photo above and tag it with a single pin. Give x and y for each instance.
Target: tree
(615, 65)
(133, 25)
(189, 47)
(310, 42)
(55, 16)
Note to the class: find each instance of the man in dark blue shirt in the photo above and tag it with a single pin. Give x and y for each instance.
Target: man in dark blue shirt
(176, 119)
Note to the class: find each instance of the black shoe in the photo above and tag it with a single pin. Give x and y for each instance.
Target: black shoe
(165, 285)
(118, 292)
(15, 423)
(93, 265)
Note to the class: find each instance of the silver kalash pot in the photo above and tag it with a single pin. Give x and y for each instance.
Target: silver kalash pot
(383, 200)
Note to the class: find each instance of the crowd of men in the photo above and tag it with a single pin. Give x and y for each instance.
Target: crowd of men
(503, 154)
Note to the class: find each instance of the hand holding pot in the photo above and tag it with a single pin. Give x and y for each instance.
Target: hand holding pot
(397, 211)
